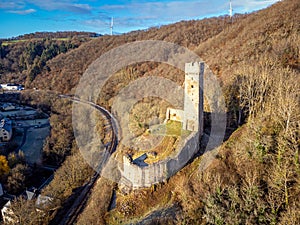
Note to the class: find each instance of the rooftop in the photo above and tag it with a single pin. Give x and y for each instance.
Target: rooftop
(6, 124)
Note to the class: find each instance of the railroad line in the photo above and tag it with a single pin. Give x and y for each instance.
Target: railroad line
(80, 203)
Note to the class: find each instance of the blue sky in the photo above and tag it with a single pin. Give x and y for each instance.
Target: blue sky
(27, 16)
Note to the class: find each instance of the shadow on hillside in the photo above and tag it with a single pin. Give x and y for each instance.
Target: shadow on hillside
(62, 212)
(231, 126)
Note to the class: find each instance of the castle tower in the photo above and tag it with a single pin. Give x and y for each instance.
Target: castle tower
(193, 98)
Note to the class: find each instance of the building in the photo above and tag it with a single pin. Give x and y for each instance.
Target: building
(8, 215)
(44, 203)
(41, 203)
(175, 115)
(192, 114)
(5, 130)
(12, 87)
(7, 212)
(7, 107)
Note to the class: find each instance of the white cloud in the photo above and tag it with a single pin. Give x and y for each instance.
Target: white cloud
(22, 12)
(160, 12)
(13, 5)
(69, 6)
(64, 5)
(172, 9)
(183, 9)
(250, 5)
(77, 8)
(96, 23)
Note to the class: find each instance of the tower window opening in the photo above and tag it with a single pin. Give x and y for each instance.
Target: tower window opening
(192, 86)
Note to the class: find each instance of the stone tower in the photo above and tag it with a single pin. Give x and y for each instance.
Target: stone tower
(193, 98)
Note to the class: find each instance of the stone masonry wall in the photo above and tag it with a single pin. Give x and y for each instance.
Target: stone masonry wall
(160, 171)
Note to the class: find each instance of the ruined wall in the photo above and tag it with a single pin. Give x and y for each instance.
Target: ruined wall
(174, 114)
(187, 149)
(146, 176)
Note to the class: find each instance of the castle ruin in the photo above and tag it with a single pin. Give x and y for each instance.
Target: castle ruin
(191, 118)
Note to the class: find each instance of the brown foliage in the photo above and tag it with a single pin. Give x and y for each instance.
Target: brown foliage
(255, 178)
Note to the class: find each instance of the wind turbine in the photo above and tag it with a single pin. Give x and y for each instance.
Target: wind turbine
(111, 26)
(230, 10)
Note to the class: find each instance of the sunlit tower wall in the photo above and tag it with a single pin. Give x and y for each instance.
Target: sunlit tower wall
(193, 98)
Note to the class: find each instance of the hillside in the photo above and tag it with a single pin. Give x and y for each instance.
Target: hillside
(255, 177)
(21, 60)
(268, 34)
(58, 34)
(64, 77)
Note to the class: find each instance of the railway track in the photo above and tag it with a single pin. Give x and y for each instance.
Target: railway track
(81, 201)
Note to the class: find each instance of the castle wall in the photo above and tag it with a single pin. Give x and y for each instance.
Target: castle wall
(160, 171)
(174, 114)
(187, 149)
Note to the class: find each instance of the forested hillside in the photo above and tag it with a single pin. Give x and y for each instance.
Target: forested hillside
(64, 77)
(58, 34)
(22, 60)
(255, 178)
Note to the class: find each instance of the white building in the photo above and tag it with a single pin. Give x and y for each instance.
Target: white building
(42, 203)
(12, 87)
(5, 130)
(8, 215)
